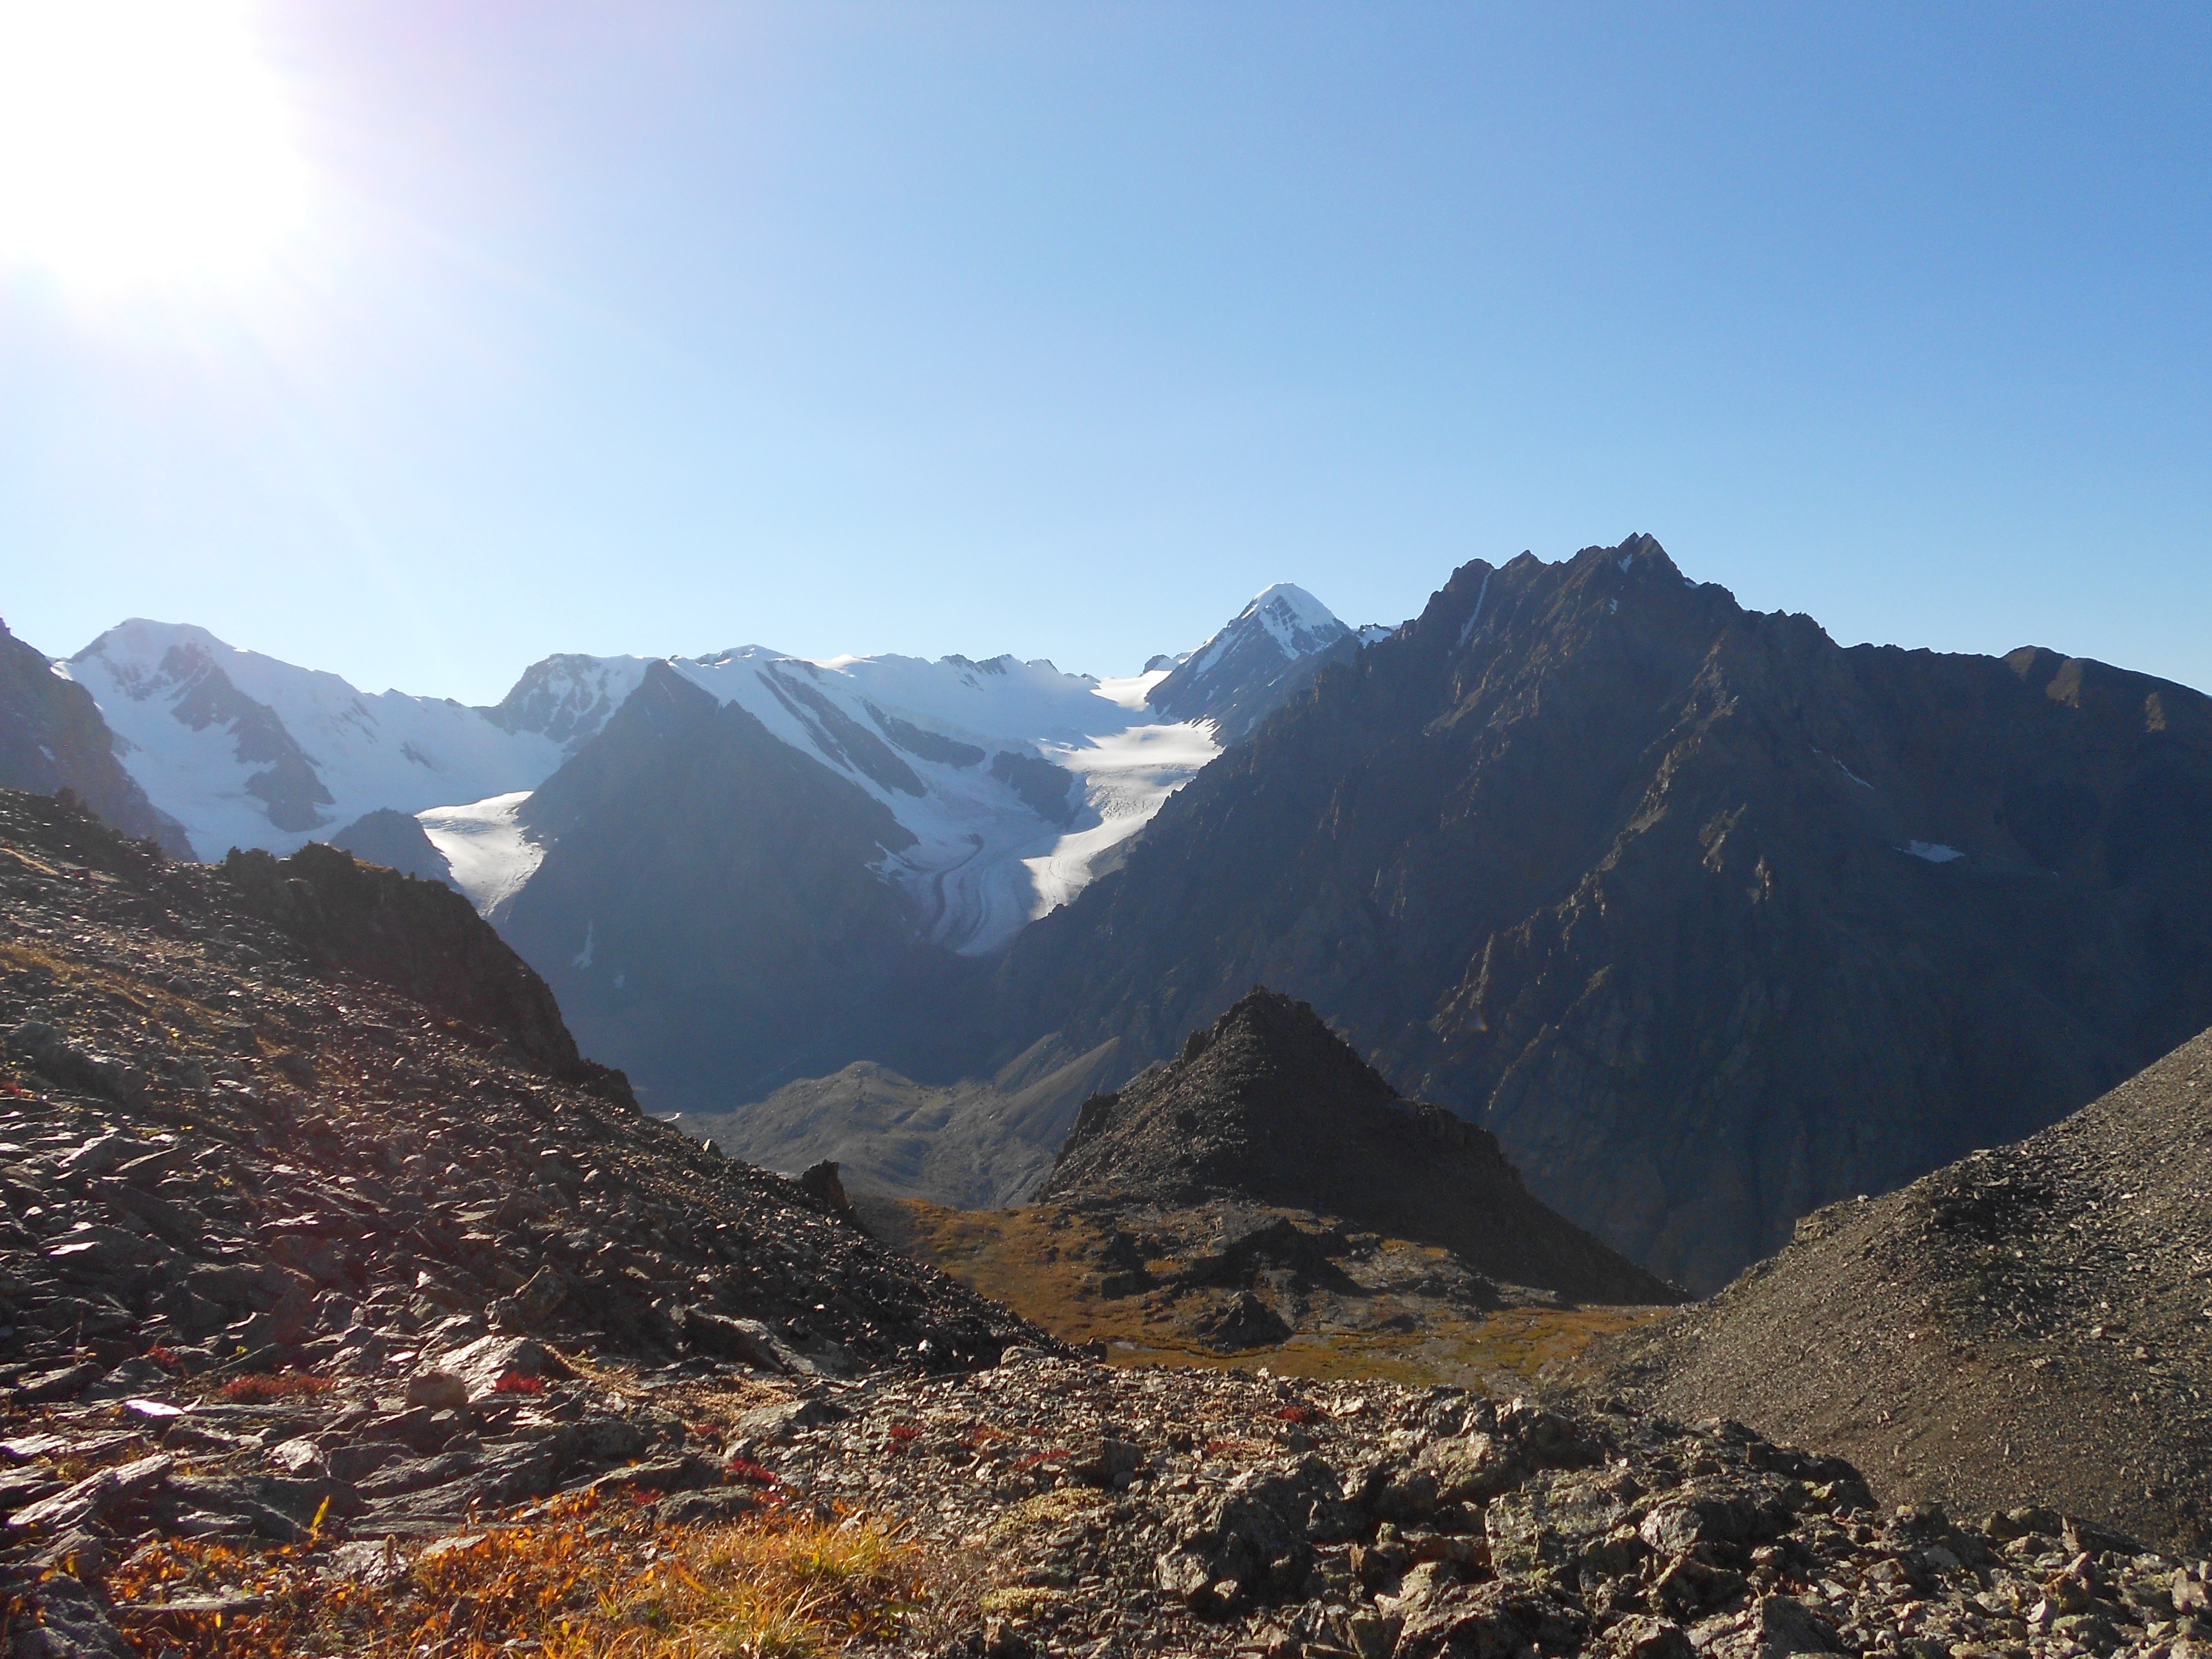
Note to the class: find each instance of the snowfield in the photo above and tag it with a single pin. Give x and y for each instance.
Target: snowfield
(923, 738)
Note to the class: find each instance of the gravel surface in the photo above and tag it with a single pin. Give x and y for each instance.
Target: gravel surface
(2032, 1324)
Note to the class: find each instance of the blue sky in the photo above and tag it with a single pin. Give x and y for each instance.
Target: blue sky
(1062, 329)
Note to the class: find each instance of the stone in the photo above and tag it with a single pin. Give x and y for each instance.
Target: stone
(91, 1497)
(1474, 1468)
(299, 1455)
(439, 1390)
(780, 1422)
(67, 1621)
(1780, 1626)
(704, 1507)
(1496, 1621)
(1640, 1636)
(540, 1296)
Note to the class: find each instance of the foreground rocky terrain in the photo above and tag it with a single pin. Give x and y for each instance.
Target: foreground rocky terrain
(1146, 1510)
(2033, 1324)
(301, 1145)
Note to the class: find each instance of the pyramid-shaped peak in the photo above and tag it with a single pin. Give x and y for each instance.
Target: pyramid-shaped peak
(1267, 1037)
(1267, 1105)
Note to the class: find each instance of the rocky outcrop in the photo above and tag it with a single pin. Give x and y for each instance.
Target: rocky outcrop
(1203, 1512)
(1709, 920)
(231, 1111)
(2031, 1325)
(52, 737)
(420, 938)
(1270, 1106)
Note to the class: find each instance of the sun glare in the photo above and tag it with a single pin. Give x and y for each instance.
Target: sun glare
(142, 143)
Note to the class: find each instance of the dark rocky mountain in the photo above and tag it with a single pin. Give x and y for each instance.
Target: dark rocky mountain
(708, 909)
(718, 907)
(2032, 1324)
(52, 737)
(1269, 652)
(395, 841)
(1269, 1106)
(1709, 920)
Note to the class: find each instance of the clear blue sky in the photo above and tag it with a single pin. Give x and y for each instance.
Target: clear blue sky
(1062, 328)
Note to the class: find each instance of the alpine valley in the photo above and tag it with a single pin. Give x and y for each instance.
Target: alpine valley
(1261, 1124)
(1708, 921)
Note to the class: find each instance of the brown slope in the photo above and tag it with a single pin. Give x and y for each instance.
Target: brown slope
(1270, 1106)
(2032, 1324)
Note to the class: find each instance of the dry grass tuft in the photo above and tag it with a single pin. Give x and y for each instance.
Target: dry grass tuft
(585, 1579)
(259, 1388)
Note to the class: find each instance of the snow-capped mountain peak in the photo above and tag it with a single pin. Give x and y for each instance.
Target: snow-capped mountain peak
(1294, 619)
(567, 697)
(1249, 669)
(245, 750)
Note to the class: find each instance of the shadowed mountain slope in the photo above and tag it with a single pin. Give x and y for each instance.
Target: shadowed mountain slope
(52, 737)
(1270, 1106)
(1709, 920)
(708, 907)
(395, 841)
(2028, 1325)
(976, 1143)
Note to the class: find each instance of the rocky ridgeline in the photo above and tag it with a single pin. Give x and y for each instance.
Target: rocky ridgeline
(281, 1241)
(1102, 1511)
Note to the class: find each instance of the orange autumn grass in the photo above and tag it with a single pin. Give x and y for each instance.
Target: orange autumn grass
(587, 1579)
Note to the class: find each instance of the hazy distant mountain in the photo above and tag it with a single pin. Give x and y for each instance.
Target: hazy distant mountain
(245, 750)
(1709, 920)
(52, 737)
(763, 868)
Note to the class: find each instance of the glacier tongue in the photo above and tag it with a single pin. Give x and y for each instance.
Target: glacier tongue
(1015, 779)
(491, 855)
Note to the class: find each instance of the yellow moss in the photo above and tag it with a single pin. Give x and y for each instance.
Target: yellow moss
(1047, 1509)
(1048, 1272)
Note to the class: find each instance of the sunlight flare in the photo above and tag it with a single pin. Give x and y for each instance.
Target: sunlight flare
(142, 143)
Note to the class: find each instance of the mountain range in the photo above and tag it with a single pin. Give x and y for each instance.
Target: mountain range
(1708, 919)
